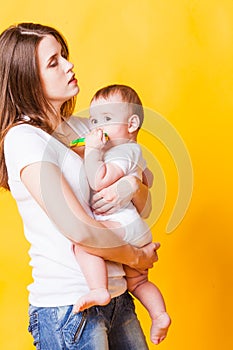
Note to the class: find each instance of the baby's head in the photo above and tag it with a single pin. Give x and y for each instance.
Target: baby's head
(117, 109)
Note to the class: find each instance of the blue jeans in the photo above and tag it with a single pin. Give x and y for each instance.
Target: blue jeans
(111, 327)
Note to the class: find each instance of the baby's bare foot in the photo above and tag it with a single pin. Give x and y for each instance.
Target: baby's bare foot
(159, 327)
(98, 296)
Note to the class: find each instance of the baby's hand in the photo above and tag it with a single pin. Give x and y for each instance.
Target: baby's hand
(96, 139)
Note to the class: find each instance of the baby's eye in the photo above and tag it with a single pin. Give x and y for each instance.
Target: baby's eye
(107, 119)
(94, 121)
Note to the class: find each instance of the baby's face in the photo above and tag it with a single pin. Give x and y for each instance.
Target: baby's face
(111, 115)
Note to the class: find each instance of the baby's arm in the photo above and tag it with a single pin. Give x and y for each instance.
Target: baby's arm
(99, 173)
(147, 177)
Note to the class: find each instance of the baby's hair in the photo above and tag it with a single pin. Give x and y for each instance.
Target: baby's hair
(127, 94)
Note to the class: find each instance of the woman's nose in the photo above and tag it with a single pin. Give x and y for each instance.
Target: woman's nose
(68, 66)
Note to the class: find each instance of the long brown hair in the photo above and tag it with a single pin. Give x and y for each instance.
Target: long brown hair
(21, 92)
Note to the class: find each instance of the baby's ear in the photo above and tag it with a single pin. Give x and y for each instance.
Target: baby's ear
(133, 123)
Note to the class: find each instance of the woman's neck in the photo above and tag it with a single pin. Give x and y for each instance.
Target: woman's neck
(65, 133)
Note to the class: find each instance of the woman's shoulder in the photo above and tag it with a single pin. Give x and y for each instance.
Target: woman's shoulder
(20, 133)
(24, 128)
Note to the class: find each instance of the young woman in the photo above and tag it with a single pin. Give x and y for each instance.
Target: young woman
(37, 93)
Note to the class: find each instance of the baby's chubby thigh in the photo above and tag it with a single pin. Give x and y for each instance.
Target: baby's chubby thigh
(135, 278)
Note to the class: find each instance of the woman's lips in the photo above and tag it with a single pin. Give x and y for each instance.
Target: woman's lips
(73, 80)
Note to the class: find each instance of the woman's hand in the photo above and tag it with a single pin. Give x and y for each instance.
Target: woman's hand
(116, 196)
(119, 194)
(147, 256)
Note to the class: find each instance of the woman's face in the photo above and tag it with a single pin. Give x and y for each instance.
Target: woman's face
(56, 73)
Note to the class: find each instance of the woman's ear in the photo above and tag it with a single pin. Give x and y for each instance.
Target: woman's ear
(133, 123)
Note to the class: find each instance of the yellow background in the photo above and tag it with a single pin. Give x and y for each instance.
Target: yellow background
(178, 55)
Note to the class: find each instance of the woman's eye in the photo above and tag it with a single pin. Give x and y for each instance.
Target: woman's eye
(107, 119)
(53, 63)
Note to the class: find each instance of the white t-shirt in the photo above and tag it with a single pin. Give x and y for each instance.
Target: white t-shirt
(58, 279)
(128, 156)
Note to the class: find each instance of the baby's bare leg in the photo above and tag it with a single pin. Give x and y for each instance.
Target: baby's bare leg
(94, 270)
(150, 296)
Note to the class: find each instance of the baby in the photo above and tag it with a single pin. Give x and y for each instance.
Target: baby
(116, 111)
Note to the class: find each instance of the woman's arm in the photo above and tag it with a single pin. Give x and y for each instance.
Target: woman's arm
(50, 189)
